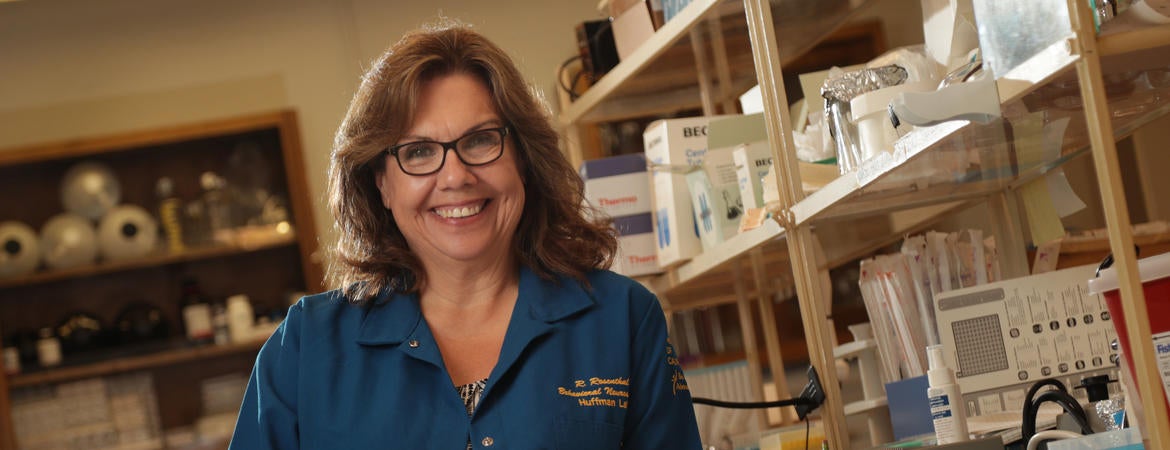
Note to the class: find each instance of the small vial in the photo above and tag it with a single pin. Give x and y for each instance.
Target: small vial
(48, 349)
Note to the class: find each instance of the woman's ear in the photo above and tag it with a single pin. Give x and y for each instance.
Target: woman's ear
(383, 189)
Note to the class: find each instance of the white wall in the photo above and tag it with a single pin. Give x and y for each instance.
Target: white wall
(73, 68)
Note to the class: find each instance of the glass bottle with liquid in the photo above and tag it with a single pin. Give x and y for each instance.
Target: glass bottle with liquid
(196, 314)
(217, 206)
(170, 214)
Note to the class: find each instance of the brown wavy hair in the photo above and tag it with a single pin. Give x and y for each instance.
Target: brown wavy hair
(554, 237)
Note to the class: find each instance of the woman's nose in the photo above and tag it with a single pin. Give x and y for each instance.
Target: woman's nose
(454, 174)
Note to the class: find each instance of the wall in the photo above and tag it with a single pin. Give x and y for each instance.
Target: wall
(74, 68)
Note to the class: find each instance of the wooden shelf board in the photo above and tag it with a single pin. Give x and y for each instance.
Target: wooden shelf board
(74, 148)
(707, 280)
(647, 53)
(149, 261)
(132, 363)
(660, 76)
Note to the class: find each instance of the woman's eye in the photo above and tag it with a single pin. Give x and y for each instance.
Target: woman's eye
(482, 139)
(417, 151)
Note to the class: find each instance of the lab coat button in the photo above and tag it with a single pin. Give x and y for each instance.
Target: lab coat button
(413, 343)
(488, 441)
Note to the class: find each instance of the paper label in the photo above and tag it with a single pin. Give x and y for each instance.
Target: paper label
(1043, 220)
(197, 319)
(1162, 354)
(620, 195)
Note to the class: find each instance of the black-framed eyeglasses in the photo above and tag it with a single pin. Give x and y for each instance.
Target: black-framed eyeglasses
(476, 148)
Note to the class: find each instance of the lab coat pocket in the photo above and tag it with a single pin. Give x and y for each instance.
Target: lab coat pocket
(574, 434)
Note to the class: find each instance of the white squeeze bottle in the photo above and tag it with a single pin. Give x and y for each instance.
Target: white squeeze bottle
(947, 410)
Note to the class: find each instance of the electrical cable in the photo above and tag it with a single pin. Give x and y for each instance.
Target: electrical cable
(1039, 384)
(1027, 431)
(1062, 398)
(561, 79)
(806, 427)
(593, 41)
(1049, 435)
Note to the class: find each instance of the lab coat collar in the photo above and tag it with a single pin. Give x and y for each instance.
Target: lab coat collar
(389, 319)
(392, 318)
(551, 300)
(540, 305)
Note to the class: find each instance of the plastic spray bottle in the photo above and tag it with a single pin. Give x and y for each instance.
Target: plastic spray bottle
(947, 410)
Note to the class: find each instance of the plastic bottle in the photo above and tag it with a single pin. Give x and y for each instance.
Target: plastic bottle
(48, 349)
(240, 318)
(947, 410)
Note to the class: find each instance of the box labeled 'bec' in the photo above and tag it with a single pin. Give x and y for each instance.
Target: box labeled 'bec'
(752, 161)
(637, 253)
(617, 186)
(673, 146)
(714, 190)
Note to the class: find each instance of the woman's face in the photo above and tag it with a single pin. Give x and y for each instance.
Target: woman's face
(460, 213)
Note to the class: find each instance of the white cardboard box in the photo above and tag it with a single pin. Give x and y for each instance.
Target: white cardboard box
(672, 147)
(752, 161)
(715, 198)
(618, 186)
(637, 253)
(715, 193)
(631, 28)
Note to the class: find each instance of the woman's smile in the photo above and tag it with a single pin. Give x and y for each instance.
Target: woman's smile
(460, 211)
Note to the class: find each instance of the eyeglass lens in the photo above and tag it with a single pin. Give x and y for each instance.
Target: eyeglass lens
(476, 148)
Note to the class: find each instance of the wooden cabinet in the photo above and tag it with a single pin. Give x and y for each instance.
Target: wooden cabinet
(269, 261)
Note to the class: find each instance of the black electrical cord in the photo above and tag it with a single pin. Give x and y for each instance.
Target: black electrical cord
(1029, 423)
(561, 79)
(806, 427)
(593, 42)
(1039, 384)
(1062, 398)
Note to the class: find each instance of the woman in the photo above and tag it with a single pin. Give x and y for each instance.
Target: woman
(473, 308)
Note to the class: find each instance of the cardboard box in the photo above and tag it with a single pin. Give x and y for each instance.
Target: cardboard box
(671, 8)
(672, 147)
(717, 208)
(618, 186)
(715, 193)
(752, 163)
(637, 252)
(631, 28)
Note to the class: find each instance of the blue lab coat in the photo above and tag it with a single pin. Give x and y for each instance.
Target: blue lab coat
(579, 369)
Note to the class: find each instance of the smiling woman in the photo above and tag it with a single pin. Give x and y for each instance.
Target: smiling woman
(454, 212)
(472, 304)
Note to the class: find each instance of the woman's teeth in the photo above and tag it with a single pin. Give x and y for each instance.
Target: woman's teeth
(456, 213)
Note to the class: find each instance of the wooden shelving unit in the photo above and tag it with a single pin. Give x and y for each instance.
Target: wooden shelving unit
(156, 260)
(132, 363)
(1070, 62)
(265, 262)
